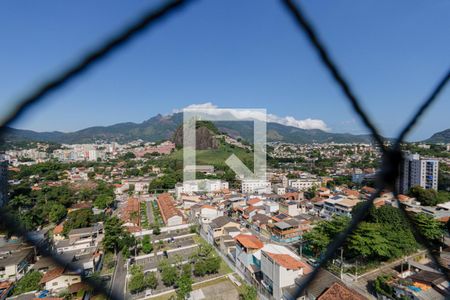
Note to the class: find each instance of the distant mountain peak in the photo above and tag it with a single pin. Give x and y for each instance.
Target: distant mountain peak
(162, 127)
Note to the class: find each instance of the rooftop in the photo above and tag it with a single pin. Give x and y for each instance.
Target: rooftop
(249, 241)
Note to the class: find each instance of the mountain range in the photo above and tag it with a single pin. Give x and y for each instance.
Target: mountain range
(161, 127)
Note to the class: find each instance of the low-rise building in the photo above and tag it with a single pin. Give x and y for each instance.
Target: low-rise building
(59, 278)
(255, 186)
(217, 226)
(171, 215)
(14, 263)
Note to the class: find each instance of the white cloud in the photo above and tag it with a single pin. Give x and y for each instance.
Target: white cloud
(245, 114)
(206, 105)
(303, 124)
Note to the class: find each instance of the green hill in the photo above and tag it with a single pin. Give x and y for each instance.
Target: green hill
(215, 157)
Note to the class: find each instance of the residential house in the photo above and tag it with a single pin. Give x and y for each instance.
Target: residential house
(289, 208)
(246, 246)
(285, 231)
(280, 268)
(59, 278)
(15, 260)
(217, 226)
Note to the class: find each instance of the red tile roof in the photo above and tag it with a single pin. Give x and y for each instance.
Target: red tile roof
(349, 192)
(52, 274)
(338, 291)
(253, 201)
(249, 241)
(368, 189)
(167, 207)
(208, 206)
(58, 229)
(131, 211)
(402, 197)
(286, 261)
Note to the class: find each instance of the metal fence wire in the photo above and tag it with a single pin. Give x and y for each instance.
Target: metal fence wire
(391, 154)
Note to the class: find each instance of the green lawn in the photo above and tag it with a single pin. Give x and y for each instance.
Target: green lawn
(144, 218)
(216, 157)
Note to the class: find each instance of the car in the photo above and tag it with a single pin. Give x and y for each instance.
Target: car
(148, 292)
(43, 294)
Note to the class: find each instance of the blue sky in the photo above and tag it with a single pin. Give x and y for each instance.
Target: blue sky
(233, 54)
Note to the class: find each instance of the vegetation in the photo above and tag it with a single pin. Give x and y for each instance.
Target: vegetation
(29, 282)
(430, 228)
(144, 217)
(169, 273)
(184, 282)
(381, 286)
(429, 197)
(139, 282)
(248, 292)
(206, 260)
(147, 246)
(382, 236)
(78, 219)
(116, 237)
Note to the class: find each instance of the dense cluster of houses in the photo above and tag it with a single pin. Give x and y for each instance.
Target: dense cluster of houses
(80, 246)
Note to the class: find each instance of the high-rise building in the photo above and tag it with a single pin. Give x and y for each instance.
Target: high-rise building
(415, 170)
(3, 181)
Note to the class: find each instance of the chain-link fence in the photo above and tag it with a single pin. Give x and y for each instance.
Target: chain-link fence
(391, 152)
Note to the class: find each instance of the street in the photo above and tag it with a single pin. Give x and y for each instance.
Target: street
(119, 278)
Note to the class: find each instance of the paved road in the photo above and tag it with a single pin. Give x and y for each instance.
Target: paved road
(119, 278)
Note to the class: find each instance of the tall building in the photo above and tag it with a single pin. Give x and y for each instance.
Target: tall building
(418, 171)
(3, 181)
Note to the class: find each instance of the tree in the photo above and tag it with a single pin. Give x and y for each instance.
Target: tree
(424, 196)
(156, 229)
(116, 238)
(430, 228)
(369, 241)
(29, 282)
(212, 264)
(169, 273)
(103, 201)
(57, 212)
(150, 280)
(78, 219)
(324, 232)
(381, 286)
(184, 282)
(200, 268)
(147, 246)
(388, 214)
(248, 292)
(136, 283)
(128, 156)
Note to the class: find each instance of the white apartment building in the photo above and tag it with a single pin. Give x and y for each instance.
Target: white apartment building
(303, 184)
(418, 171)
(255, 186)
(189, 187)
(279, 189)
(280, 267)
(339, 205)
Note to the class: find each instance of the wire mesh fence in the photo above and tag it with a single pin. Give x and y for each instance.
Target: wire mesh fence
(391, 152)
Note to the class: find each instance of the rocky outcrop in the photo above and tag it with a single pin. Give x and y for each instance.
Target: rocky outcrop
(205, 138)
